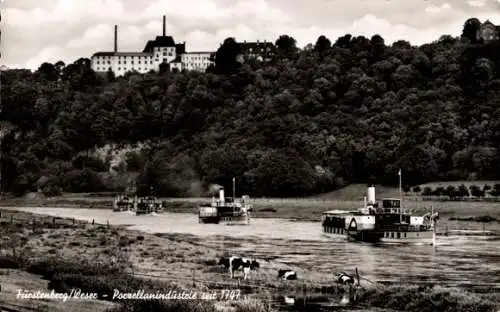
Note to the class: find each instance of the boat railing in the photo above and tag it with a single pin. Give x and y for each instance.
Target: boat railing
(395, 210)
(405, 227)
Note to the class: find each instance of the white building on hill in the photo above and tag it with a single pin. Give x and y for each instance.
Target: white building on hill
(161, 50)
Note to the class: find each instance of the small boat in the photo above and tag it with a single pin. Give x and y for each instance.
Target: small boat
(123, 203)
(148, 205)
(226, 209)
(385, 223)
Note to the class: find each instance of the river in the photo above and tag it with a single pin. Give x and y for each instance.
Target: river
(466, 261)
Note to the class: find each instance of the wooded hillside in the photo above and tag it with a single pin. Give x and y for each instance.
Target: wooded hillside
(309, 121)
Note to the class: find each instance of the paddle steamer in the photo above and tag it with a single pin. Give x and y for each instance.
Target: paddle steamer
(388, 222)
(148, 205)
(126, 201)
(227, 210)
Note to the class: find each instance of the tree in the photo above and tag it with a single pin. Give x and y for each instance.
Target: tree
(322, 44)
(462, 191)
(476, 191)
(308, 121)
(48, 71)
(427, 191)
(287, 46)
(226, 61)
(470, 29)
(451, 191)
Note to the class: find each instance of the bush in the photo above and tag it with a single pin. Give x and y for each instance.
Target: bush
(427, 191)
(251, 305)
(84, 180)
(428, 299)
(439, 191)
(417, 189)
(49, 267)
(462, 191)
(91, 162)
(451, 191)
(51, 186)
(135, 161)
(476, 191)
(9, 262)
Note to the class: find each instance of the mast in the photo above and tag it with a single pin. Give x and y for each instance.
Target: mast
(400, 196)
(234, 189)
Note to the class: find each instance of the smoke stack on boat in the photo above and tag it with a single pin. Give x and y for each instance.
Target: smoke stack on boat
(371, 195)
(221, 194)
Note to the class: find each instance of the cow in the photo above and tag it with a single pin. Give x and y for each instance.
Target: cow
(287, 274)
(234, 263)
(345, 279)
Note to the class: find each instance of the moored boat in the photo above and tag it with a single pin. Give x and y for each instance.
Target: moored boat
(148, 205)
(124, 203)
(388, 222)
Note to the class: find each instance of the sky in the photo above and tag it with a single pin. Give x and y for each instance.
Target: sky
(37, 31)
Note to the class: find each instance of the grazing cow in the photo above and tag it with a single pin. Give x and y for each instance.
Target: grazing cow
(287, 274)
(345, 279)
(234, 263)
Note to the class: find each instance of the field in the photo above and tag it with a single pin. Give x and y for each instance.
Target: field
(70, 253)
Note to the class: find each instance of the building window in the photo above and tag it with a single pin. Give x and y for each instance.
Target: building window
(139, 62)
(132, 62)
(119, 62)
(164, 53)
(151, 62)
(119, 68)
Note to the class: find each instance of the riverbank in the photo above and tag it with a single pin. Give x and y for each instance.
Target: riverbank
(303, 209)
(69, 253)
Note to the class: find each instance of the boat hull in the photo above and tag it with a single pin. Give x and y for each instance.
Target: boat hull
(209, 220)
(224, 219)
(386, 237)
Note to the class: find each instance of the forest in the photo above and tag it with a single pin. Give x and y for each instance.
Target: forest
(310, 120)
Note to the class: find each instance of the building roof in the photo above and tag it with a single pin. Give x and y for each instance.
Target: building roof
(121, 54)
(256, 47)
(160, 41)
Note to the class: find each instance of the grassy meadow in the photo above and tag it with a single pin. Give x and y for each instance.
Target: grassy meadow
(40, 252)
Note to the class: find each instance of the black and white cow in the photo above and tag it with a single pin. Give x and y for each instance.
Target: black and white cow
(234, 263)
(345, 279)
(287, 274)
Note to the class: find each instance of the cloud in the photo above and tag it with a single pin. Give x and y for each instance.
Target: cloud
(476, 3)
(69, 29)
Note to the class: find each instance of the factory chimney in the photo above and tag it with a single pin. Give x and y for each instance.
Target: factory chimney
(116, 38)
(164, 25)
